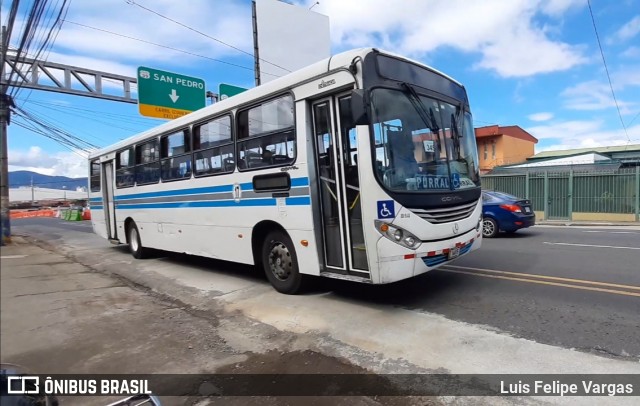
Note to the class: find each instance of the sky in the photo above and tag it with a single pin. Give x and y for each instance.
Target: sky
(531, 63)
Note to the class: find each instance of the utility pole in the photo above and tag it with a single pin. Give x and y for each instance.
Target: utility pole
(23, 72)
(5, 103)
(33, 198)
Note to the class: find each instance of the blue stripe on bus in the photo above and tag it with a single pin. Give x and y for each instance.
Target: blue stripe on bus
(298, 201)
(218, 203)
(178, 192)
(295, 182)
(248, 186)
(96, 207)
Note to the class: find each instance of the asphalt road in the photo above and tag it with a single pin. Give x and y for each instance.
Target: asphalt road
(571, 287)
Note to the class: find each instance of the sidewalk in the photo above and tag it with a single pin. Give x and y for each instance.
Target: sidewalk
(587, 223)
(59, 316)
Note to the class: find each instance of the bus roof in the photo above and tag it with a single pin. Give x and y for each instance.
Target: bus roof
(343, 59)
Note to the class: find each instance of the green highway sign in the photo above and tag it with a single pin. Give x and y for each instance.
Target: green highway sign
(168, 95)
(226, 91)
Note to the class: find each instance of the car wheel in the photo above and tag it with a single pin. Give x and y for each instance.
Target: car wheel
(489, 227)
(281, 263)
(135, 243)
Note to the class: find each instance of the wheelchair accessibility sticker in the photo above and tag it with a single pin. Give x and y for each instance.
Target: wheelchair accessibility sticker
(455, 180)
(386, 209)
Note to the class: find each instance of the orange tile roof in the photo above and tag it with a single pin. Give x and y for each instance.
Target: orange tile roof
(511, 131)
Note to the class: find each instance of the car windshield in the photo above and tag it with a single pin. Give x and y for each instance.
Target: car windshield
(422, 143)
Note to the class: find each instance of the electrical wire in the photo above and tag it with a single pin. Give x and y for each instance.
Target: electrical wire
(604, 62)
(167, 47)
(132, 2)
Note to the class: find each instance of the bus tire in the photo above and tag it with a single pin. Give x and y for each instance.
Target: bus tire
(135, 243)
(280, 263)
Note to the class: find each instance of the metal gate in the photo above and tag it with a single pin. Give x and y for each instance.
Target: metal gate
(558, 203)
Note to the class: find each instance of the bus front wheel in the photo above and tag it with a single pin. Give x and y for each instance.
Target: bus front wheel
(281, 263)
(135, 243)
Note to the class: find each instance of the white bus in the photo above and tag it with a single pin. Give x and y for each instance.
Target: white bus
(361, 167)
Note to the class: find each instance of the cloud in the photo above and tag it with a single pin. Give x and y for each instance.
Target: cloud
(581, 134)
(227, 22)
(631, 52)
(504, 34)
(596, 95)
(627, 31)
(556, 8)
(60, 163)
(544, 116)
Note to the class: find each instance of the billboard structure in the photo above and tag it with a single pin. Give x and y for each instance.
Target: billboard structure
(286, 38)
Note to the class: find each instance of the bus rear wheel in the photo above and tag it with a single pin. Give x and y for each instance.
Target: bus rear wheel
(135, 243)
(281, 263)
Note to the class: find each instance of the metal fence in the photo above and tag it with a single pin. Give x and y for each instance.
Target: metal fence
(561, 194)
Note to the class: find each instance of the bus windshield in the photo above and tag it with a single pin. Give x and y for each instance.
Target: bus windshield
(422, 144)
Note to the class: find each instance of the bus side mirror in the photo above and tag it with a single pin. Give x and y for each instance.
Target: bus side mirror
(359, 107)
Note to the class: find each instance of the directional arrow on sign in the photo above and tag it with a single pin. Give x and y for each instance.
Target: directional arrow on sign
(174, 96)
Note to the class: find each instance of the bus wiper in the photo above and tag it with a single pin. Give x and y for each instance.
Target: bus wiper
(455, 136)
(426, 115)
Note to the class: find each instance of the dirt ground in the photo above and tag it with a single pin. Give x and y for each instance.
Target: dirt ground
(61, 317)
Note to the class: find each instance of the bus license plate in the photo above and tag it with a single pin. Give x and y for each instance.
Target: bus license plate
(454, 252)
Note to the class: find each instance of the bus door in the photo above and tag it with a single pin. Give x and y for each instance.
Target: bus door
(336, 154)
(108, 203)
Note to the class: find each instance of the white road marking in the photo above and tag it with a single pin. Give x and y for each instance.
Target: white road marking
(613, 232)
(12, 256)
(591, 245)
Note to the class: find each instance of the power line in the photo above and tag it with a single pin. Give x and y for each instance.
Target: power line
(134, 119)
(132, 2)
(604, 62)
(48, 42)
(91, 116)
(166, 47)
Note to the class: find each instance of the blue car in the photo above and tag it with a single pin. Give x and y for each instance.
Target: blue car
(504, 212)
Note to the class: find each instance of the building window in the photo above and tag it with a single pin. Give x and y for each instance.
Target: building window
(266, 134)
(485, 150)
(213, 147)
(493, 149)
(175, 156)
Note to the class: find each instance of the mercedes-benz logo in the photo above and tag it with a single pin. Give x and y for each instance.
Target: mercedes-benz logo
(456, 228)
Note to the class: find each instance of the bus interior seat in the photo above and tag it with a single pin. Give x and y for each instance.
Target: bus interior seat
(280, 159)
(228, 164)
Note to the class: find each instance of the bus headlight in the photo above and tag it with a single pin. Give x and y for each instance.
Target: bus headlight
(398, 235)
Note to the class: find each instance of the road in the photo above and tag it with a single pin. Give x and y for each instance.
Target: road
(570, 287)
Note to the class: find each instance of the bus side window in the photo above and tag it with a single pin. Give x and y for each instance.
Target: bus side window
(175, 156)
(213, 147)
(266, 134)
(125, 169)
(148, 162)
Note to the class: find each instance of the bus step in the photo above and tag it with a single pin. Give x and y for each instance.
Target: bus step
(352, 278)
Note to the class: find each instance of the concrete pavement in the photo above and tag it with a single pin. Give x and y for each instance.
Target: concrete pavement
(365, 332)
(61, 317)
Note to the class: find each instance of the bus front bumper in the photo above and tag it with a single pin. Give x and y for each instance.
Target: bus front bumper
(405, 263)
